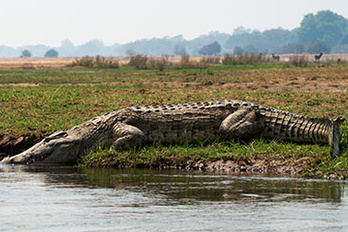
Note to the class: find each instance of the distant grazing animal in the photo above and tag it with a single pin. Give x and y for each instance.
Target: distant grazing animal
(317, 57)
(275, 57)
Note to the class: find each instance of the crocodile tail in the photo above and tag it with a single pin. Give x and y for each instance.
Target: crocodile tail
(335, 137)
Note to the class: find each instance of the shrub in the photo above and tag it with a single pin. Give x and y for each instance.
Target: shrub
(246, 59)
(187, 63)
(95, 62)
(143, 62)
(185, 59)
(138, 62)
(85, 61)
(103, 62)
(158, 63)
(210, 60)
(299, 60)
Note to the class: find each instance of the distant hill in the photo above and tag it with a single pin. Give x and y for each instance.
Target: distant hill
(324, 31)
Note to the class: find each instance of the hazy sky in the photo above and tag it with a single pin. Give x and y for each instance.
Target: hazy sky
(28, 22)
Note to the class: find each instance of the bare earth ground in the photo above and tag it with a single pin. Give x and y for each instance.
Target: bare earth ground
(34, 62)
(273, 163)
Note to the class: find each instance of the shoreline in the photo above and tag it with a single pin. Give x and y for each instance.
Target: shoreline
(272, 164)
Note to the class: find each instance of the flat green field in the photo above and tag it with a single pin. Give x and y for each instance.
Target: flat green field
(40, 101)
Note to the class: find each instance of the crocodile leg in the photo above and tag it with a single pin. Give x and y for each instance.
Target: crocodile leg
(126, 136)
(242, 124)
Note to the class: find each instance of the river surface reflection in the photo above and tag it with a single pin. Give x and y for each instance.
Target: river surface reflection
(77, 199)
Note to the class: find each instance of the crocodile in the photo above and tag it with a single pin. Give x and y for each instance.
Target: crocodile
(180, 123)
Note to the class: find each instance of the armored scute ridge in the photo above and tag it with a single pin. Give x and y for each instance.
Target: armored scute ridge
(179, 123)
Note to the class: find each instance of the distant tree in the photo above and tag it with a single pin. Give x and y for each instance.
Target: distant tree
(262, 41)
(210, 49)
(179, 50)
(238, 50)
(51, 53)
(344, 39)
(242, 30)
(67, 48)
(340, 49)
(296, 48)
(251, 49)
(130, 52)
(91, 48)
(317, 47)
(26, 53)
(324, 26)
(275, 37)
(6, 51)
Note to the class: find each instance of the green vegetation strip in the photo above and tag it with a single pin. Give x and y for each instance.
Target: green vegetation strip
(154, 155)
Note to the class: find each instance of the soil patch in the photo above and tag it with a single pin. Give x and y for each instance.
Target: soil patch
(260, 163)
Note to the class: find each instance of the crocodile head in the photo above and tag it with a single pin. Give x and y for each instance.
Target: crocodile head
(58, 148)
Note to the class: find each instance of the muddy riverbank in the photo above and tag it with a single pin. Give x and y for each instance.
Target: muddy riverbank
(258, 164)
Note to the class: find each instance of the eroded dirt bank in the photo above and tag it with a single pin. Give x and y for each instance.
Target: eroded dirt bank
(10, 145)
(275, 164)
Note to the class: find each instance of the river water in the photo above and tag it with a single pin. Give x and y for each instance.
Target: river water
(77, 199)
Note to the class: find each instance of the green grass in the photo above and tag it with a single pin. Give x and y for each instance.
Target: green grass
(58, 99)
(51, 107)
(154, 155)
(64, 76)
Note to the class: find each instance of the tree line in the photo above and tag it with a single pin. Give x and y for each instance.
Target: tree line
(325, 32)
